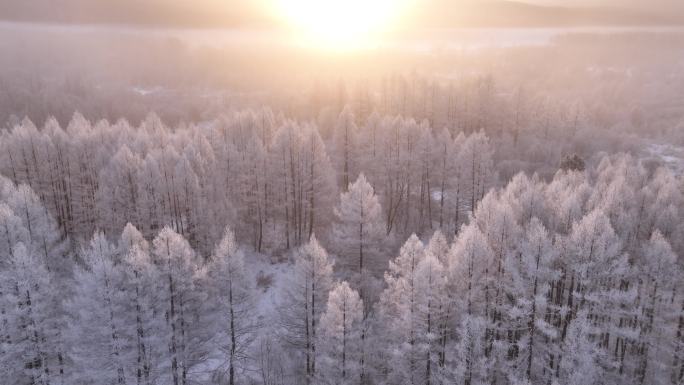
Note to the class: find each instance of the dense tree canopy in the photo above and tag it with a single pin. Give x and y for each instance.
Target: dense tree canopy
(258, 250)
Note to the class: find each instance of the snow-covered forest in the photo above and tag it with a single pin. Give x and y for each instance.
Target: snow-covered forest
(244, 212)
(259, 249)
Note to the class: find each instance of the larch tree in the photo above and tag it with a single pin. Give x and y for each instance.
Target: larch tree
(369, 142)
(32, 349)
(425, 171)
(85, 161)
(188, 205)
(598, 272)
(44, 237)
(431, 294)
(497, 219)
(467, 361)
(439, 248)
(119, 196)
(177, 265)
(340, 331)
(410, 169)
(580, 355)
(140, 277)
(98, 339)
(131, 237)
(469, 256)
(531, 272)
(476, 165)
(444, 174)
(389, 174)
(359, 232)
(346, 147)
(152, 202)
(456, 193)
(27, 221)
(12, 231)
(398, 313)
(304, 301)
(285, 171)
(658, 297)
(319, 180)
(467, 272)
(251, 192)
(209, 221)
(574, 190)
(236, 319)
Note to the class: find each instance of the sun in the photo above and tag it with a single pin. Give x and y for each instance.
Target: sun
(339, 24)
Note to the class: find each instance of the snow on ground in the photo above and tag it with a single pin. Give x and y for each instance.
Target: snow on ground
(269, 279)
(144, 91)
(437, 195)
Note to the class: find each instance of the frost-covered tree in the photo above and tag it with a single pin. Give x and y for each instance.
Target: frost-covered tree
(140, 277)
(470, 255)
(44, 238)
(236, 319)
(98, 337)
(467, 362)
(359, 231)
(398, 313)
(658, 295)
(32, 347)
(456, 199)
(188, 205)
(439, 248)
(426, 165)
(12, 231)
(445, 175)
(286, 167)
(251, 192)
(389, 175)
(431, 292)
(304, 301)
(596, 273)
(476, 168)
(340, 332)
(319, 179)
(130, 238)
(177, 266)
(305, 182)
(28, 227)
(118, 197)
(153, 205)
(532, 272)
(579, 363)
(346, 147)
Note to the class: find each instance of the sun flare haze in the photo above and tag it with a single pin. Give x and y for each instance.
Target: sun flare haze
(339, 24)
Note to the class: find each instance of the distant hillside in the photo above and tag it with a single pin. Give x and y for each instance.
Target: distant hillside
(152, 13)
(469, 13)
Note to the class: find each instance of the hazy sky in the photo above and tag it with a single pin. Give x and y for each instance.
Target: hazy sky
(224, 13)
(662, 5)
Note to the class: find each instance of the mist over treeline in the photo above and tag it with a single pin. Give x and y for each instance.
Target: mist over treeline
(128, 73)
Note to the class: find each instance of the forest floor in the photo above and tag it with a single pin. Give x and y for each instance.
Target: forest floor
(269, 278)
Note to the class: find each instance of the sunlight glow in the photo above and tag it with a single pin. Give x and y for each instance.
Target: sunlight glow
(339, 24)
